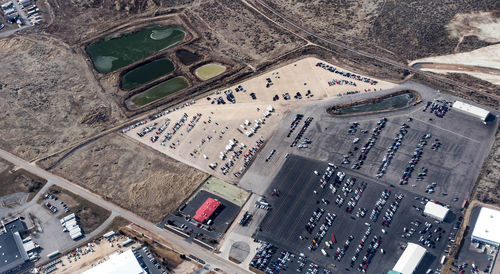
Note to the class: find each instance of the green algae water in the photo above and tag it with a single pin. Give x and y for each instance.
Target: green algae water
(146, 73)
(110, 54)
(157, 92)
(393, 102)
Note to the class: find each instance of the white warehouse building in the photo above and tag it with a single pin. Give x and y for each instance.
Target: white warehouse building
(487, 228)
(436, 211)
(472, 110)
(410, 259)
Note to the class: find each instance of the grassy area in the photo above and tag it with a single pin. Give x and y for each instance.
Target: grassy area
(208, 71)
(90, 214)
(20, 181)
(117, 223)
(227, 191)
(157, 92)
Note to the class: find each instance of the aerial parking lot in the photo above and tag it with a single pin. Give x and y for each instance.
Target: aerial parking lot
(221, 132)
(358, 223)
(381, 168)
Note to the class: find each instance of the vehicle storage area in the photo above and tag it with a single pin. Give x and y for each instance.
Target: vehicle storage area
(221, 132)
(351, 191)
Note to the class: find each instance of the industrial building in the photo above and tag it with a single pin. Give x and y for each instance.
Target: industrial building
(119, 263)
(206, 210)
(12, 252)
(409, 260)
(436, 211)
(487, 228)
(471, 110)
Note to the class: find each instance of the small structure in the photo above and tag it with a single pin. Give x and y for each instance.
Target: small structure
(436, 211)
(410, 259)
(472, 110)
(123, 263)
(109, 234)
(206, 210)
(487, 228)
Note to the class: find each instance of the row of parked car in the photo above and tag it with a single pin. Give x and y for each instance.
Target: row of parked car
(417, 154)
(307, 122)
(393, 148)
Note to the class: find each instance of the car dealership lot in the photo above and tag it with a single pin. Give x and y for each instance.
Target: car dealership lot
(285, 224)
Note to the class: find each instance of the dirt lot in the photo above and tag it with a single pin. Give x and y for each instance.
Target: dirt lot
(487, 188)
(18, 181)
(48, 96)
(219, 123)
(397, 29)
(89, 214)
(130, 175)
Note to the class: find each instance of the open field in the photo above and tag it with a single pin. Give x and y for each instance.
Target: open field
(200, 145)
(230, 192)
(15, 181)
(90, 215)
(414, 29)
(129, 175)
(48, 105)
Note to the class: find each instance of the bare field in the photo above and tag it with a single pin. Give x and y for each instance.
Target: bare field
(130, 175)
(49, 97)
(488, 186)
(240, 32)
(403, 30)
(219, 123)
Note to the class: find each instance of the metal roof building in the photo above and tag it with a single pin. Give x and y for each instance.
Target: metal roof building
(471, 110)
(436, 211)
(487, 228)
(206, 210)
(410, 259)
(12, 253)
(124, 263)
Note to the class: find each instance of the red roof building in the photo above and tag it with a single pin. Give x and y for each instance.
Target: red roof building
(206, 210)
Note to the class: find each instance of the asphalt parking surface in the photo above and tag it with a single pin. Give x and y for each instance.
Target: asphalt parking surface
(145, 258)
(291, 211)
(223, 218)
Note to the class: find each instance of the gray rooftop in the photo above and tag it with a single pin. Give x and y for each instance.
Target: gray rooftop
(12, 253)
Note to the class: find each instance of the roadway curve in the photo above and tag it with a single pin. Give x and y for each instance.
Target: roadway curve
(193, 249)
(263, 4)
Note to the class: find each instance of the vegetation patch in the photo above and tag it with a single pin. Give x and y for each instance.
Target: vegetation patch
(20, 181)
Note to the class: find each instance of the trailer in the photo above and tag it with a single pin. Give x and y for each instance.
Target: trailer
(53, 254)
(76, 236)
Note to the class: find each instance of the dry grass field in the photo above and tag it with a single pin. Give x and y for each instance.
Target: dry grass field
(133, 176)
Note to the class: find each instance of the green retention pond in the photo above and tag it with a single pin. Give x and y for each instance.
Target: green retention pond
(187, 57)
(110, 54)
(208, 71)
(385, 103)
(159, 91)
(146, 73)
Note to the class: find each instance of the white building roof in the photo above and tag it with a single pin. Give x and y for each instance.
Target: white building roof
(124, 263)
(410, 259)
(471, 110)
(487, 226)
(437, 211)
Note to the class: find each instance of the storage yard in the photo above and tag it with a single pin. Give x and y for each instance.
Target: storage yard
(374, 150)
(212, 126)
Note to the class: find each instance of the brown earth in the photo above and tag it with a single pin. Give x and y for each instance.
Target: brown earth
(14, 181)
(133, 176)
(48, 96)
(488, 185)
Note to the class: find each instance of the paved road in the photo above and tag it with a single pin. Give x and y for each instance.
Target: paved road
(259, 4)
(190, 248)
